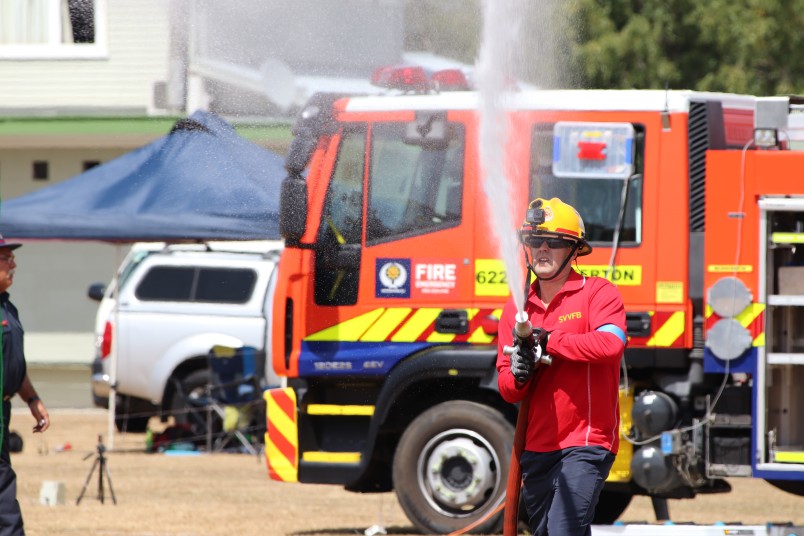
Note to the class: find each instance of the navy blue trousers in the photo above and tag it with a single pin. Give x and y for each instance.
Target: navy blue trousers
(10, 515)
(561, 489)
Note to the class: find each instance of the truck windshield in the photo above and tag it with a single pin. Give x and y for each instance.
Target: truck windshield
(598, 200)
(412, 189)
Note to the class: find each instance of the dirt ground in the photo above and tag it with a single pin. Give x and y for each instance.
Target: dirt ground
(225, 494)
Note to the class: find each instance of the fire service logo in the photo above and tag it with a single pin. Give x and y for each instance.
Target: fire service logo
(393, 278)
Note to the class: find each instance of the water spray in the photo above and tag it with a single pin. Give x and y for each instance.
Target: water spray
(493, 74)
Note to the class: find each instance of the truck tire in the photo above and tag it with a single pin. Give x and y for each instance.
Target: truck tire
(451, 465)
(610, 506)
(796, 487)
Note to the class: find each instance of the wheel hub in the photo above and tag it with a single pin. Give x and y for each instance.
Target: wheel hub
(460, 472)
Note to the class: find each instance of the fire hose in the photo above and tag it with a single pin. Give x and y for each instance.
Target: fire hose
(527, 340)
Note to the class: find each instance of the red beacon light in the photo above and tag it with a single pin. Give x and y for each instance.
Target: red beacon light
(402, 78)
(450, 80)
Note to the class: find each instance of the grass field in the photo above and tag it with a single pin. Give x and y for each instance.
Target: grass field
(228, 494)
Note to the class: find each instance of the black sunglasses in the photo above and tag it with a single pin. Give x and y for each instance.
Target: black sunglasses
(552, 243)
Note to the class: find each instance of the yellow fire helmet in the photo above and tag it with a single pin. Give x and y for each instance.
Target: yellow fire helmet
(554, 218)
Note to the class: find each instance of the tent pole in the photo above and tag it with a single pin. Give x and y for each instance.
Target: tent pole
(113, 362)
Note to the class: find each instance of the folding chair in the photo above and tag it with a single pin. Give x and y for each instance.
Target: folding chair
(234, 398)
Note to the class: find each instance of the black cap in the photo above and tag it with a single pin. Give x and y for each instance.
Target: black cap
(9, 245)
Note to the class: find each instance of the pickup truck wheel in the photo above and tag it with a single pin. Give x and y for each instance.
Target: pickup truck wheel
(188, 406)
(450, 467)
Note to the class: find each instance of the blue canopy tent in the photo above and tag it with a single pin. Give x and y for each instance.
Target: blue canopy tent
(200, 182)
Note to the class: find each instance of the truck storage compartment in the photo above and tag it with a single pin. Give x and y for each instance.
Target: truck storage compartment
(785, 400)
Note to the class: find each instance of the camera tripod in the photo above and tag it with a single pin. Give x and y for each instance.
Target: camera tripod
(103, 470)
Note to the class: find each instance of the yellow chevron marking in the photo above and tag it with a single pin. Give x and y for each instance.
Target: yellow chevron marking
(334, 409)
(282, 422)
(331, 457)
(284, 425)
(385, 325)
(745, 317)
(749, 314)
(669, 332)
(481, 337)
(348, 331)
(759, 340)
(281, 466)
(440, 337)
(421, 320)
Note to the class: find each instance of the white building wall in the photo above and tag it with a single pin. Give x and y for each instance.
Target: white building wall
(52, 276)
(136, 34)
(16, 167)
(115, 76)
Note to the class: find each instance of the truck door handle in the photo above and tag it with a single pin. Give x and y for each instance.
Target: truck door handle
(452, 321)
(637, 324)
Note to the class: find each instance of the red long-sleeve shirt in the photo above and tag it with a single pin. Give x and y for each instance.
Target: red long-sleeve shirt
(575, 400)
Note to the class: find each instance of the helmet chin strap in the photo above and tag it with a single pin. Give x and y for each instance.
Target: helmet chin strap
(531, 270)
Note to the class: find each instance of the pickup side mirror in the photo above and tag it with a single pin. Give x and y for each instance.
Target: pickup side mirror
(293, 208)
(96, 291)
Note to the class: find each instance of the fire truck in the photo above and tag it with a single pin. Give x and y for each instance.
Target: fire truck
(391, 284)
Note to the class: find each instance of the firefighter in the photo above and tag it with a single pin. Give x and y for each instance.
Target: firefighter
(15, 380)
(573, 422)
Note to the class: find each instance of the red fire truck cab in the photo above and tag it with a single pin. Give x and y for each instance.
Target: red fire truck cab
(390, 287)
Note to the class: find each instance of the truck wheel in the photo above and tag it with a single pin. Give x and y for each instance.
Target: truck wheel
(610, 507)
(450, 467)
(796, 487)
(188, 406)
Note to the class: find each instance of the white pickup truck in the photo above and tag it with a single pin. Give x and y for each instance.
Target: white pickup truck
(174, 303)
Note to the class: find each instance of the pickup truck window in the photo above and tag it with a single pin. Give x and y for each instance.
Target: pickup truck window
(224, 285)
(197, 284)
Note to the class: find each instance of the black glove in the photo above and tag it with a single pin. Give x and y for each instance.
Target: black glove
(523, 364)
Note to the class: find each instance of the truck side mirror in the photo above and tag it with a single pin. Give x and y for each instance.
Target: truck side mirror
(96, 291)
(300, 151)
(293, 208)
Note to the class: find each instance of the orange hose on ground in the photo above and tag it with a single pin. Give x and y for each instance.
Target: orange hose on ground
(483, 519)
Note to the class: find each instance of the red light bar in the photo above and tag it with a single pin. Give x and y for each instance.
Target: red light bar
(450, 80)
(402, 78)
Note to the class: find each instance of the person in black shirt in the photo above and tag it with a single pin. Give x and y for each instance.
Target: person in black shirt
(14, 380)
